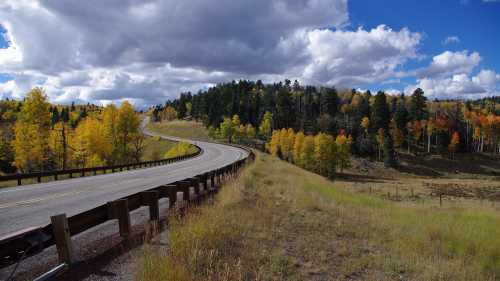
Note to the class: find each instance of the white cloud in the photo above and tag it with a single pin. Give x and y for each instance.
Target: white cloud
(449, 63)
(148, 51)
(361, 56)
(460, 85)
(451, 40)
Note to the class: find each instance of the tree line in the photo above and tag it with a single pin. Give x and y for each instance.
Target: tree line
(38, 136)
(378, 124)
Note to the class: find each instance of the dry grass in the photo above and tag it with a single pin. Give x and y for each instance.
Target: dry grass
(278, 222)
(180, 128)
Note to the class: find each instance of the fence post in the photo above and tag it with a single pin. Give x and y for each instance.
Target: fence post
(19, 181)
(119, 210)
(60, 229)
(55, 176)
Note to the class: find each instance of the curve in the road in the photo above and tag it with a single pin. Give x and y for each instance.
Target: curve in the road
(32, 205)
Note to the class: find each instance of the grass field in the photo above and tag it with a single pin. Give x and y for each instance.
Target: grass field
(279, 222)
(181, 129)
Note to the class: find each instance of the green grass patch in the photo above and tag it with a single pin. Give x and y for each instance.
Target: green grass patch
(180, 128)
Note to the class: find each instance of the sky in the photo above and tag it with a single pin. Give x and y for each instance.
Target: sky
(148, 51)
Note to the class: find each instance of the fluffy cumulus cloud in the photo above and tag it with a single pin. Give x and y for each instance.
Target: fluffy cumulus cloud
(148, 51)
(362, 56)
(450, 75)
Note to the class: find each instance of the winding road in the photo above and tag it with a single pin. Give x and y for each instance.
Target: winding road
(32, 205)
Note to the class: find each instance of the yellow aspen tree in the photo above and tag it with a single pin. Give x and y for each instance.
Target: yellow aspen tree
(31, 131)
(307, 154)
(297, 148)
(266, 126)
(226, 129)
(290, 140)
(110, 123)
(274, 144)
(128, 125)
(343, 152)
(60, 139)
(235, 123)
(250, 132)
(323, 153)
(169, 114)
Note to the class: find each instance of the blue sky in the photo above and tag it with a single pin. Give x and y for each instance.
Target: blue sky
(148, 52)
(475, 23)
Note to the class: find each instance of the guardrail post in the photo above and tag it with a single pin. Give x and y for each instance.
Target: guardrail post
(196, 185)
(212, 180)
(150, 198)
(119, 210)
(60, 229)
(172, 195)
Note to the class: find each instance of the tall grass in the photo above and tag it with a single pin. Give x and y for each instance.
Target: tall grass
(266, 224)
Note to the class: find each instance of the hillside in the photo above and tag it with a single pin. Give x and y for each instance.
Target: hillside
(279, 222)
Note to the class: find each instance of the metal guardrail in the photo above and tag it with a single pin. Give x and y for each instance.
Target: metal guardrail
(23, 244)
(84, 171)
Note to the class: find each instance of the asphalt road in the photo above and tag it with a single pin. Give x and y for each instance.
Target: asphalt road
(32, 205)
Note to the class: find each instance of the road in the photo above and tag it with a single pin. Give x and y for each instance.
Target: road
(32, 205)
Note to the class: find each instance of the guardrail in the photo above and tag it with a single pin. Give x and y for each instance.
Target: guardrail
(93, 170)
(21, 245)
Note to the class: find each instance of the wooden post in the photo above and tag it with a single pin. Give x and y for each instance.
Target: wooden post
(83, 172)
(39, 179)
(119, 210)
(195, 182)
(19, 181)
(55, 177)
(70, 175)
(60, 229)
(441, 199)
(212, 180)
(172, 195)
(150, 198)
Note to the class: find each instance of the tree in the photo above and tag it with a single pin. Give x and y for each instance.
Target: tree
(226, 129)
(110, 123)
(324, 154)
(418, 107)
(365, 124)
(274, 144)
(307, 154)
(250, 132)
(389, 153)
(31, 131)
(455, 141)
(343, 151)
(60, 139)
(380, 141)
(297, 148)
(266, 126)
(128, 125)
(169, 113)
(380, 113)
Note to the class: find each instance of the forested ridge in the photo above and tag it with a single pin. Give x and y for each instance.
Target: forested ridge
(376, 124)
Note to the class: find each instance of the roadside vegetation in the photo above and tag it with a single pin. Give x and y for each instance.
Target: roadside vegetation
(180, 128)
(266, 226)
(39, 136)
